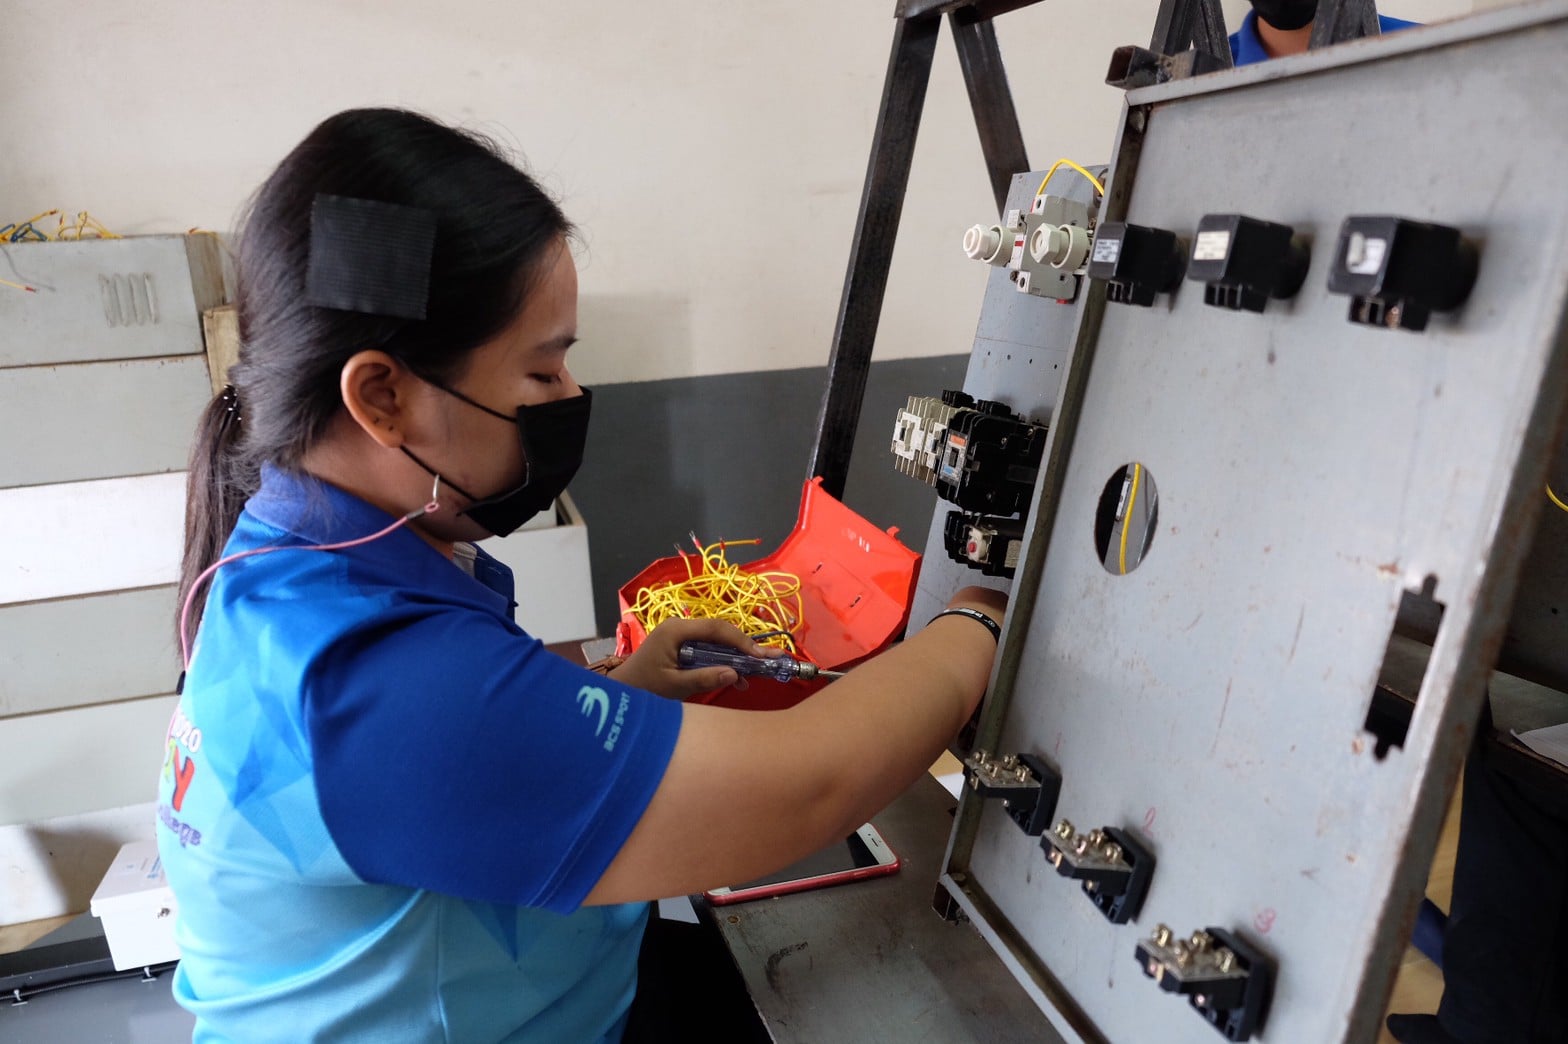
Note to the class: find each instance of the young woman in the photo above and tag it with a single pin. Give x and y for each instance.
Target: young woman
(387, 812)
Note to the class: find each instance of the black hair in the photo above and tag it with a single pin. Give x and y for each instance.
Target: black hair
(494, 227)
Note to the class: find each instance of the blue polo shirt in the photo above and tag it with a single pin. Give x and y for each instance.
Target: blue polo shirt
(1246, 47)
(383, 803)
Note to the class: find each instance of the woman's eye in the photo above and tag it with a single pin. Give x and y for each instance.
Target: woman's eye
(547, 378)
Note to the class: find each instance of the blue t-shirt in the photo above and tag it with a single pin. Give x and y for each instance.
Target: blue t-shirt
(1246, 47)
(383, 803)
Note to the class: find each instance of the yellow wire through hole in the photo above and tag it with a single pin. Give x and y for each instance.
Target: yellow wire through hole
(767, 605)
(1132, 498)
(1556, 499)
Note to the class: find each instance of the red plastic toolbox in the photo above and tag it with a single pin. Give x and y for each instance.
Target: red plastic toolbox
(856, 586)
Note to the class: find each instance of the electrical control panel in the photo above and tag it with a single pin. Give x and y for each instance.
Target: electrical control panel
(979, 455)
(1314, 372)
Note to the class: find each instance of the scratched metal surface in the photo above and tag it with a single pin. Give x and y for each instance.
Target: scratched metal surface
(871, 961)
(1020, 350)
(1309, 470)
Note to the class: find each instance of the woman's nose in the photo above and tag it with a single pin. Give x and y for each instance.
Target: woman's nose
(568, 388)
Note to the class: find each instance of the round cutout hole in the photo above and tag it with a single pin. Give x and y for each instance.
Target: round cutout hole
(1124, 523)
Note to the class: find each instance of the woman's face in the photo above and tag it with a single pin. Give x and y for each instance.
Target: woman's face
(525, 365)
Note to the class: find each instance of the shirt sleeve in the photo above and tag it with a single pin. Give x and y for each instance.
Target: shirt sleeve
(452, 752)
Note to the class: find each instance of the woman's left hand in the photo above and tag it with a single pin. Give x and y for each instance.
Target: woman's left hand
(655, 665)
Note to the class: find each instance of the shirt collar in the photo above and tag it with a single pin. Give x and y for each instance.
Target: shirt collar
(320, 513)
(312, 509)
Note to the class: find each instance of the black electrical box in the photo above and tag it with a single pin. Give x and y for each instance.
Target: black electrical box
(1137, 262)
(1397, 272)
(1244, 261)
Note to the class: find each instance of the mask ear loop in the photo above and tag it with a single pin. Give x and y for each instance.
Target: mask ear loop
(185, 648)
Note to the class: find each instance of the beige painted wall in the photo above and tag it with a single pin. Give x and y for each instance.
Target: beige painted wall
(712, 150)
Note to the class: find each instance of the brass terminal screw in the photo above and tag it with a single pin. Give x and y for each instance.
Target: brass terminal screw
(1064, 830)
(1227, 960)
(1162, 935)
(1183, 954)
(1200, 942)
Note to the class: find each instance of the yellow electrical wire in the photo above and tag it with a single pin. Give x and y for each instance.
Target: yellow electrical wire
(1132, 498)
(767, 606)
(1098, 187)
(1555, 498)
(85, 223)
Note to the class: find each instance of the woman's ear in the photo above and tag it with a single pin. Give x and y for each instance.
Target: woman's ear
(375, 389)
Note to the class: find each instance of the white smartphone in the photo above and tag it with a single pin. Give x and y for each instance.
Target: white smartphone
(861, 855)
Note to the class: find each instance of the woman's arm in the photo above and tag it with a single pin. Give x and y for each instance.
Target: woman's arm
(748, 792)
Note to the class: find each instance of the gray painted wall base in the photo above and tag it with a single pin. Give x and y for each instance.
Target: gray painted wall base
(725, 456)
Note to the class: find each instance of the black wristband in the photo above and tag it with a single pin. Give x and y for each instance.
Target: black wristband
(975, 615)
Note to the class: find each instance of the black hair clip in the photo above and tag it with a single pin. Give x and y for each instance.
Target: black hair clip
(370, 257)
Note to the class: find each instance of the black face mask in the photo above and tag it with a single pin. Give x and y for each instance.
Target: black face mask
(552, 435)
(1286, 14)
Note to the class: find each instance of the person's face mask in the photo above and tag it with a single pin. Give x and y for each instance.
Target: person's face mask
(552, 435)
(1286, 14)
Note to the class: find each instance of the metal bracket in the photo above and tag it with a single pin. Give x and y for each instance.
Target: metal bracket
(1339, 20)
(1133, 66)
(1027, 786)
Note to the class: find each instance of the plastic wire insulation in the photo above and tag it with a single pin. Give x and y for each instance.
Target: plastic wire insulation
(765, 606)
(1098, 185)
(1132, 498)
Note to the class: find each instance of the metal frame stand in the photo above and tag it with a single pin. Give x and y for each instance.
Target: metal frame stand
(1189, 38)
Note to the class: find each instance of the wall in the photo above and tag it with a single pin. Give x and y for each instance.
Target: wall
(713, 152)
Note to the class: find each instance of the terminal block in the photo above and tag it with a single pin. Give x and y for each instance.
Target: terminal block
(1136, 262)
(1243, 261)
(1027, 786)
(1397, 272)
(988, 543)
(1225, 980)
(1114, 868)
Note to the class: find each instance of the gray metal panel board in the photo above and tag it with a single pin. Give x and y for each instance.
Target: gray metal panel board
(99, 420)
(1019, 355)
(134, 298)
(1309, 471)
(76, 651)
(1519, 15)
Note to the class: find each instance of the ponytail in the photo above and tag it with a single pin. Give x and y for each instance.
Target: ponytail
(216, 488)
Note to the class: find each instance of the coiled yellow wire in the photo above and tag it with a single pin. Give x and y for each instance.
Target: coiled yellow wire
(766, 606)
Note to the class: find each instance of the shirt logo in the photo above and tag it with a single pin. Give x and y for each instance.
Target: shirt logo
(591, 699)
